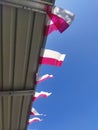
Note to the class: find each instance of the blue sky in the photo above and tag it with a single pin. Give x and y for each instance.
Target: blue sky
(73, 104)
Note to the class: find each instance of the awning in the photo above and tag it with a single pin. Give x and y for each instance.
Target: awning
(21, 39)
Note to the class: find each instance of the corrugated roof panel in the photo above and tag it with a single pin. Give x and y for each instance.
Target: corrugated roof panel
(8, 38)
(36, 44)
(6, 112)
(1, 64)
(26, 107)
(8, 34)
(1, 114)
(1, 105)
(21, 38)
(15, 114)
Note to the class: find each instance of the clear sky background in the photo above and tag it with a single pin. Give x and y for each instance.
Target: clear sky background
(73, 104)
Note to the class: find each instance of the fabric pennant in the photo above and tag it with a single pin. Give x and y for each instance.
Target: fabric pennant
(35, 113)
(44, 77)
(60, 20)
(35, 119)
(40, 94)
(51, 57)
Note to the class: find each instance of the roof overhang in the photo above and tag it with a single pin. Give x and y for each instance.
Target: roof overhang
(21, 39)
(34, 5)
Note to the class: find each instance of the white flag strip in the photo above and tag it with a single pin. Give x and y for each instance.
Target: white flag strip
(51, 57)
(35, 113)
(35, 119)
(44, 77)
(40, 94)
(67, 15)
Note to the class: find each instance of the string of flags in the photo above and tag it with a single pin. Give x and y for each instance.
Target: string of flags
(57, 19)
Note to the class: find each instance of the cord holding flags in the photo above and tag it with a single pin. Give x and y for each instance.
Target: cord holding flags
(57, 19)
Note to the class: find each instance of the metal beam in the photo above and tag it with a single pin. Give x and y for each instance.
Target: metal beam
(17, 93)
(45, 2)
(29, 5)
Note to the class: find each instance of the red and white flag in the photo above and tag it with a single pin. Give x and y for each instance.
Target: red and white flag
(51, 57)
(44, 77)
(35, 113)
(41, 94)
(35, 119)
(60, 18)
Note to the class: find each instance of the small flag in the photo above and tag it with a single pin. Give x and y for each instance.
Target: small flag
(44, 77)
(61, 18)
(51, 57)
(35, 113)
(41, 94)
(35, 119)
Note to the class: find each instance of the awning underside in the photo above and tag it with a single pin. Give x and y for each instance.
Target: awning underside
(21, 38)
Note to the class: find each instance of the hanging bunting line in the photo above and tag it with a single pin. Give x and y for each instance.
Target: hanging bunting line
(44, 77)
(35, 119)
(51, 57)
(57, 19)
(41, 94)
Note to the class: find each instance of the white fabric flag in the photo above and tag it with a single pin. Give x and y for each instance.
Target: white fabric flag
(40, 94)
(51, 57)
(44, 77)
(35, 119)
(35, 113)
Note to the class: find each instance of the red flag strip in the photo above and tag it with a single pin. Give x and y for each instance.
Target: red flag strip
(60, 19)
(49, 27)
